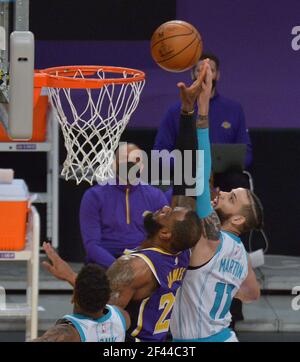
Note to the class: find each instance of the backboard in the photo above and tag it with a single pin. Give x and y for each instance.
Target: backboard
(16, 69)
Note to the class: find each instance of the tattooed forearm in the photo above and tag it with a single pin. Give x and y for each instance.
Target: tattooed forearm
(59, 333)
(212, 226)
(120, 275)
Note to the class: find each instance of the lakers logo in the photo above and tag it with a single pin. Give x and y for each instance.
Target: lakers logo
(226, 125)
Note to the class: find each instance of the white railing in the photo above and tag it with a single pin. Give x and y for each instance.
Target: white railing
(30, 254)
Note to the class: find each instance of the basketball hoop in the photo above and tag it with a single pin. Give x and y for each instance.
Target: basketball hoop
(93, 105)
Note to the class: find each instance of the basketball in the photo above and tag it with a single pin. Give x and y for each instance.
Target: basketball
(176, 46)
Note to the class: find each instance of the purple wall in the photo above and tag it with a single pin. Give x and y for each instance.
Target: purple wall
(259, 67)
(253, 39)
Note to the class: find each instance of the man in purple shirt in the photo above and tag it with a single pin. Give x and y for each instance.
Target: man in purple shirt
(227, 126)
(111, 215)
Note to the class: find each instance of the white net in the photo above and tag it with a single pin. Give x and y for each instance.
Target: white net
(92, 121)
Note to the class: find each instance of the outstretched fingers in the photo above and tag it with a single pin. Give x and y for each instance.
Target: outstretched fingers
(52, 255)
(202, 75)
(181, 85)
(48, 267)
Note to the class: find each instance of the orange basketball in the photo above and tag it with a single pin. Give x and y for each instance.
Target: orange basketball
(176, 46)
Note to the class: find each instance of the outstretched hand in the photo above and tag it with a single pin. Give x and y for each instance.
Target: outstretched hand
(190, 94)
(205, 94)
(58, 267)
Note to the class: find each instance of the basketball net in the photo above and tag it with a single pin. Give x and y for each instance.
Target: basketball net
(93, 119)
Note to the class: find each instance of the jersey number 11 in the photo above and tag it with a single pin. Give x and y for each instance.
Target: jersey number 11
(220, 290)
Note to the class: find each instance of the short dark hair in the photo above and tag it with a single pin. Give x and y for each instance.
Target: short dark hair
(92, 290)
(188, 231)
(253, 213)
(212, 57)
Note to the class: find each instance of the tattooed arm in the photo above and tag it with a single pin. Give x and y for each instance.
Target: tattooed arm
(184, 193)
(211, 226)
(130, 279)
(210, 219)
(191, 132)
(60, 333)
(129, 276)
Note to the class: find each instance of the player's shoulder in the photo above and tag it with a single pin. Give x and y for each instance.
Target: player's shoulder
(159, 253)
(231, 240)
(232, 245)
(134, 262)
(226, 235)
(112, 311)
(117, 313)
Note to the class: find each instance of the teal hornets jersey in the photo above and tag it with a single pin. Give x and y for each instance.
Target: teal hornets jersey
(202, 304)
(111, 327)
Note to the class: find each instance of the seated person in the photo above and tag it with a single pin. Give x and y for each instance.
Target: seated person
(227, 125)
(111, 215)
(93, 319)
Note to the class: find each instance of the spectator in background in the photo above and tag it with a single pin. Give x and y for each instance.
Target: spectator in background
(111, 215)
(227, 122)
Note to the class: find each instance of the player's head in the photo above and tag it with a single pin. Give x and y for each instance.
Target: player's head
(129, 162)
(214, 64)
(178, 228)
(91, 291)
(240, 208)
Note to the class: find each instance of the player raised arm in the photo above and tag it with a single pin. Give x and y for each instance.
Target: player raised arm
(57, 266)
(204, 208)
(190, 94)
(187, 138)
(129, 276)
(194, 135)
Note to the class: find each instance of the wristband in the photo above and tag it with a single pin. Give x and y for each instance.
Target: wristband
(185, 113)
(202, 121)
(202, 118)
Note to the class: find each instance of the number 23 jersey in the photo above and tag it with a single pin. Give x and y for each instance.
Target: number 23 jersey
(150, 318)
